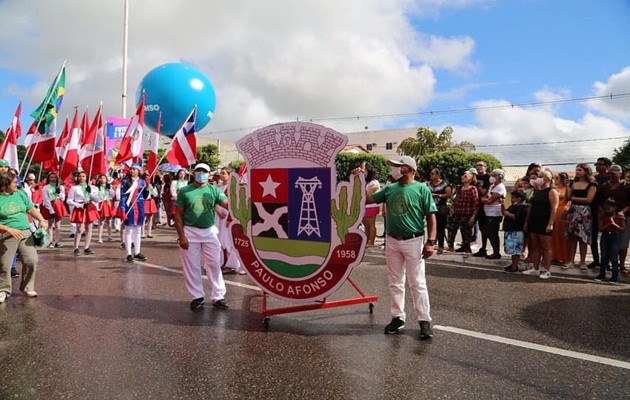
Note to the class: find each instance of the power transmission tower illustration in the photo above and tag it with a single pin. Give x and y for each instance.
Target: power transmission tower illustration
(308, 213)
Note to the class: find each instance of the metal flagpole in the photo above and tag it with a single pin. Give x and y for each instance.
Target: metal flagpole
(124, 66)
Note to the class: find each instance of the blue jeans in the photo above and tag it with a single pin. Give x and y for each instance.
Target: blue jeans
(609, 252)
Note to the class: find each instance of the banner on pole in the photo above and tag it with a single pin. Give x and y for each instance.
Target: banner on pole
(116, 128)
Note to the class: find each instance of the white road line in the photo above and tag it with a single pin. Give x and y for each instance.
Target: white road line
(465, 332)
(535, 346)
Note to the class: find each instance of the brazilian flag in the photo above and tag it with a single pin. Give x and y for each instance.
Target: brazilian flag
(46, 113)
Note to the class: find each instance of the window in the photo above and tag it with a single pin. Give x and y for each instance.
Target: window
(369, 146)
(389, 146)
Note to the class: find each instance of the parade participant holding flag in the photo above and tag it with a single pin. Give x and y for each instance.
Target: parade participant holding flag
(82, 198)
(133, 191)
(105, 207)
(53, 208)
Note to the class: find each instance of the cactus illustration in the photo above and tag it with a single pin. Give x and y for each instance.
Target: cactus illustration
(343, 219)
(241, 210)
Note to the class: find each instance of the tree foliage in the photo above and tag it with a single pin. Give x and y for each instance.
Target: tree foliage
(236, 165)
(621, 156)
(346, 162)
(454, 162)
(429, 141)
(209, 154)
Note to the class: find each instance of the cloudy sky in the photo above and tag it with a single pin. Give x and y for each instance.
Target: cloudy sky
(501, 73)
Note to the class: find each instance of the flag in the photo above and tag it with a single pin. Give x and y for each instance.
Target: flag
(8, 151)
(71, 153)
(183, 148)
(40, 139)
(131, 145)
(152, 162)
(92, 153)
(62, 141)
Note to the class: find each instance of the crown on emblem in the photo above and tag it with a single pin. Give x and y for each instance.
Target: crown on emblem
(296, 140)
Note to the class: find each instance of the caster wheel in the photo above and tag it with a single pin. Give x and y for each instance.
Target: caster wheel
(266, 323)
(371, 308)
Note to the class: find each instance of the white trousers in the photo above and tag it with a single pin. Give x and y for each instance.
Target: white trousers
(404, 258)
(202, 243)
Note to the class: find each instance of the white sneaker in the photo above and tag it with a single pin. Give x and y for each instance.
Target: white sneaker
(531, 271)
(100, 240)
(3, 296)
(30, 293)
(544, 274)
(242, 272)
(568, 265)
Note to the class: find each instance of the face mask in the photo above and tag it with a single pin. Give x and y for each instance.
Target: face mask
(396, 174)
(533, 182)
(540, 181)
(201, 177)
(492, 180)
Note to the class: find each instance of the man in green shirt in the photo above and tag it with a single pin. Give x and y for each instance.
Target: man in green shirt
(409, 204)
(194, 222)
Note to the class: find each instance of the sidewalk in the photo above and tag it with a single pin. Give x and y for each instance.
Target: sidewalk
(378, 252)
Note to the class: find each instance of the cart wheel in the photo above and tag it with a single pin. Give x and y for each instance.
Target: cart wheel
(266, 323)
(371, 308)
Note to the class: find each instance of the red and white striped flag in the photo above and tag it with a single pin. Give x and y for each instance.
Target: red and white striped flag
(154, 143)
(131, 145)
(71, 154)
(92, 152)
(62, 140)
(8, 151)
(183, 148)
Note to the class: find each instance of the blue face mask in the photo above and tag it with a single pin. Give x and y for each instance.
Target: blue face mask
(201, 177)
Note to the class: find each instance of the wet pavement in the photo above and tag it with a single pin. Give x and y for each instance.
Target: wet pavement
(105, 329)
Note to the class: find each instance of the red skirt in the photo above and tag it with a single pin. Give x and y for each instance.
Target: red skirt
(81, 215)
(120, 214)
(107, 209)
(150, 207)
(60, 210)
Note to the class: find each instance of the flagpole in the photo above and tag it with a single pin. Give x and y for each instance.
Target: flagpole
(125, 51)
(39, 120)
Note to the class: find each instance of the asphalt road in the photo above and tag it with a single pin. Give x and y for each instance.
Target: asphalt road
(105, 329)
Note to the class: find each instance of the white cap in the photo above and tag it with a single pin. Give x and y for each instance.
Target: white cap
(30, 176)
(202, 166)
(404, 160)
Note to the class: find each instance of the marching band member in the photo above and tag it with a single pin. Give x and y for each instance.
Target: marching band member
(82, 197)
(105, 207)
(133, 191)
(53, 207)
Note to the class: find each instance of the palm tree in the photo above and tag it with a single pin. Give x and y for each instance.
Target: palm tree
(428, 141)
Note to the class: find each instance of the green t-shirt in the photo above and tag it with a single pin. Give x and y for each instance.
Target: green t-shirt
(13, 209)
(198, 204)
(407, 207)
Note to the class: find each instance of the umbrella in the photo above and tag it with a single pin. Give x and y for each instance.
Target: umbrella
(167, 167)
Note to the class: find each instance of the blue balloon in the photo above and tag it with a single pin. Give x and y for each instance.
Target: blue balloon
(174, 89)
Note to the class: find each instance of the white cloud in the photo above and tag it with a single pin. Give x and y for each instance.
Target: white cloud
(617, 84)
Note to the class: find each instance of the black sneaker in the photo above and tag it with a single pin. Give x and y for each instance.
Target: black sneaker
(14, 273)
(480, 253)
(72, 236)
(460, 250)
(592, 265)
(76, 252)
(395, 326)
(196, 304)
(425, 330)
(88, 251)
(122, 246)
(129, 258)
(222, 304)
(140, 257)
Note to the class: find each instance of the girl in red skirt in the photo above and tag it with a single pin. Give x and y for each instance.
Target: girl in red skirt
(150, 208)
(53, 207)
(105, 207)
(83, 198)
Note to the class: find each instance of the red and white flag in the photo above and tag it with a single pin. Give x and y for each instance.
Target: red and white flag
(183, 148)
(71, 154)
(92, 152)
(41, 147)
(131, 145)
(154, 142)
(8, 151)
(63, 139)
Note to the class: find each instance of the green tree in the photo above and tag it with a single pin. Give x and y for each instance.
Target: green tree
(236, 165)
(621, 156)
(453, 163)
(209, 154)
(346, 162)
(428, 141)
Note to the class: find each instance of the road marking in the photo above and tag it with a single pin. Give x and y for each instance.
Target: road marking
(535, 346)
(177, 271)
(465, 332)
